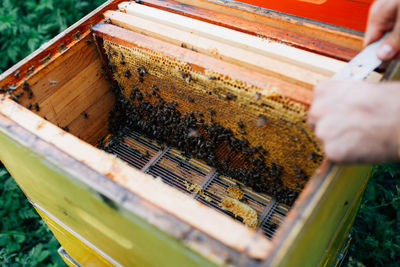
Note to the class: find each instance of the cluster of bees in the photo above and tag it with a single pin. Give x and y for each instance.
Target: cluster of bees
(149, 114)
(11, 90)
(146, 112)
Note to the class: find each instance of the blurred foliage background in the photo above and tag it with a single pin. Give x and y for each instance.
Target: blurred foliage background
(26, 241)
(25, 25)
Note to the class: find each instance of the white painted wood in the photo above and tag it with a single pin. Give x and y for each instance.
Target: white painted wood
(307, 60)
(226, 52)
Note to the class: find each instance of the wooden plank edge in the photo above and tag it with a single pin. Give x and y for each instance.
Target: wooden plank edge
(161, 195)
(222, 51)
(282, 21)
(301, 211)
(204, 63)
(311, 61)
(274, 32)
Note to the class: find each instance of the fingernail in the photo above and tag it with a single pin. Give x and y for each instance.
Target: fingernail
(385, 52)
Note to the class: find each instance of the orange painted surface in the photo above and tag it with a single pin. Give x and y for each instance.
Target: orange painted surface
(350, 14)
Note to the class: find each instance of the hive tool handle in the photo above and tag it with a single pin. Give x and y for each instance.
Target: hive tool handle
(361, 65)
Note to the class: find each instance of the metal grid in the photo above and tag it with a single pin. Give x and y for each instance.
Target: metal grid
(194, 177)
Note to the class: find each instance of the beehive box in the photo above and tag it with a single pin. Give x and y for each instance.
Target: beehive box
(104, 210)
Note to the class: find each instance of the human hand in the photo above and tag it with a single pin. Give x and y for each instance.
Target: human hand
(384, 16)
(357, 121)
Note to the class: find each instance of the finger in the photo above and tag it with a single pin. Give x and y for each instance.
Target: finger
(343, 149)
(323, 88)
(317, 110)
(325, 128)
(311, 121)
(325, 94)
(335, 152)
(381, 18)
(311, 124)
(391, 45)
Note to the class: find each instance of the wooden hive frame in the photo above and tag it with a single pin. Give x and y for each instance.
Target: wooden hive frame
(205, 39)
(107, 183)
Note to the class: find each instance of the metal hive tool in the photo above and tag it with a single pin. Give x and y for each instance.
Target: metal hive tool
(181, 171)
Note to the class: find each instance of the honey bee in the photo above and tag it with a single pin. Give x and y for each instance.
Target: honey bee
(142, 70)
(230, 96)
(61, 47)
(212, 112)
(30, 70)
(25, 86)
(127, 73)
(154, 87)
(14, 98)
(17, 73)
(261, 120)
(65, 128)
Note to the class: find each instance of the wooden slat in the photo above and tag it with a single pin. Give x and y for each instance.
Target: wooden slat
(70, 85)
(216, 49)
(93, 127)
(58, 72)
(330, 33)
(292, 55)
(204, 63)
(293, 31)
(75, 96)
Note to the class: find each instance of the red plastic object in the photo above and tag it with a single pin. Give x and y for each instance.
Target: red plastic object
(350, 14)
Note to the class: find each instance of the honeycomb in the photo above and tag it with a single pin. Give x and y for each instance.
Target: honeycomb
(246, 132)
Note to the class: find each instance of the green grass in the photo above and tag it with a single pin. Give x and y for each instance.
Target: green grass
(25, 25)
(376, 231)
(26, 241)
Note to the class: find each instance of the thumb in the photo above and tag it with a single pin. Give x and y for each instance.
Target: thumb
(390, 47)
